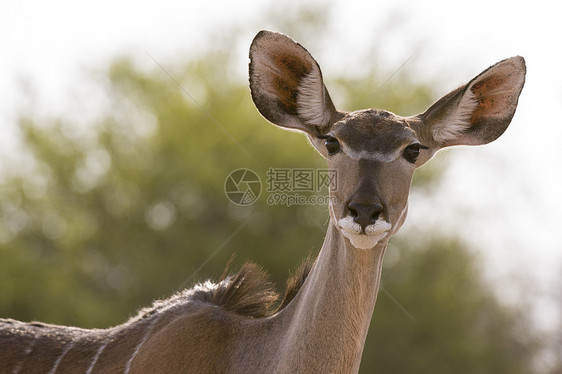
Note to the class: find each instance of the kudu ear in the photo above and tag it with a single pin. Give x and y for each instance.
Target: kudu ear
(478, 112)
(287, 86)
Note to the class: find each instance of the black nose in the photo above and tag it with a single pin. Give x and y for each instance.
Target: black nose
(365, 214)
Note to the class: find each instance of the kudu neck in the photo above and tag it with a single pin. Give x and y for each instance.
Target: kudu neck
(333, 309)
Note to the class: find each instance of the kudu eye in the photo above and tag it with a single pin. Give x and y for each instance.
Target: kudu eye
(332, 145)
(412, 152)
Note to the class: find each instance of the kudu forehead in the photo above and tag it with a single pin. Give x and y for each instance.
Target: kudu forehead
(374, 132)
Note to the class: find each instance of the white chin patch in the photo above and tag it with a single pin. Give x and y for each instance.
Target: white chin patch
(373, 233)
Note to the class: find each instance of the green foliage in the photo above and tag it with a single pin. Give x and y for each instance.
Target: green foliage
(437, 315)
(102, 222)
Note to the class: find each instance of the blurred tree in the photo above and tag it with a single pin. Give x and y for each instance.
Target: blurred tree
(551, 359)
(107, 220)
(437, 315)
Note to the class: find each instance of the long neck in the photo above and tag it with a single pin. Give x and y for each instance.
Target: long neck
(329, 318)
(322, 330)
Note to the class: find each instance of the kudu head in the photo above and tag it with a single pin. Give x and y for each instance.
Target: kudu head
(375, 152)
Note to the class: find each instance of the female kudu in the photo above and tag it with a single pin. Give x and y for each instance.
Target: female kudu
(322, 323)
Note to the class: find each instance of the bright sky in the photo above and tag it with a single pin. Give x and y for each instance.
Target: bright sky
(504, 197)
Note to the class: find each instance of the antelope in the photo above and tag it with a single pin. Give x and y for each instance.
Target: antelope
(240, 324)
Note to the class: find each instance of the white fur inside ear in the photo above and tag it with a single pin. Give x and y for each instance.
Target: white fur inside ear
(311, 103)
(452, 126)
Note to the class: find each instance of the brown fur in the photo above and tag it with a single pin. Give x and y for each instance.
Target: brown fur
(295, 281)
(250, 292)
(321, 324)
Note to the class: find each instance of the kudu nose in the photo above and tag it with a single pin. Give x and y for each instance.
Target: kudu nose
(365, 214)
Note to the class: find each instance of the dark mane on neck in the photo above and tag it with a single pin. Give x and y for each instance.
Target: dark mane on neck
(251, 293)
(296, 280)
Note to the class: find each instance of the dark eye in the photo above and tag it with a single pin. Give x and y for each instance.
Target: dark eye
(332, 145)
(412, 152)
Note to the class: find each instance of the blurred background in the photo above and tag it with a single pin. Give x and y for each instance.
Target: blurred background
(121, 121)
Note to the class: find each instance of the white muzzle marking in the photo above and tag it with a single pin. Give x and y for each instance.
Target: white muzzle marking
(373, 233)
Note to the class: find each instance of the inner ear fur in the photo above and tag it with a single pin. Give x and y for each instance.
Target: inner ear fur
(480, 111)
(287, 86)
